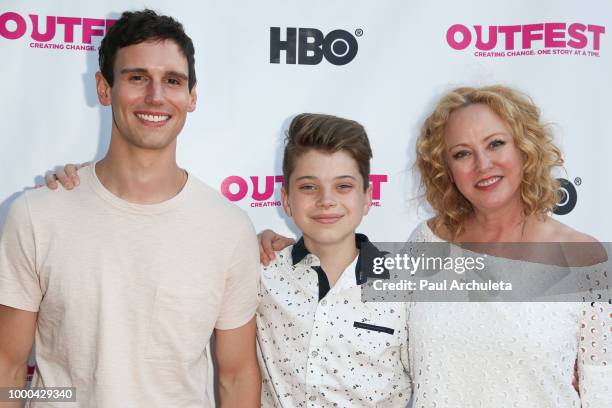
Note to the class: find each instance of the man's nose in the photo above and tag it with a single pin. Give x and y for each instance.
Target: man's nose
(155, 93)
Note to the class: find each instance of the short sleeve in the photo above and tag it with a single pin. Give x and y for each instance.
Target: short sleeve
(595, 355)
(19, 281)
(240, 298)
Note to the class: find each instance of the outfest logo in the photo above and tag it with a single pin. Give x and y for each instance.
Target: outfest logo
(261, 190)
(54, 32)
(495, 41)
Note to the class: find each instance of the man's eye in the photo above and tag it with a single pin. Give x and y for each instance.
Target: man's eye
(174, 81)
(136, 78)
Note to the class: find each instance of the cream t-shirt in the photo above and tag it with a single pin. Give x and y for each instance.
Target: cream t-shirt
(128, 295)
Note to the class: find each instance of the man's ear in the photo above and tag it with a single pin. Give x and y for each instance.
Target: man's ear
(368, 200)
(103, 89)
(193, 99)
(285, 200)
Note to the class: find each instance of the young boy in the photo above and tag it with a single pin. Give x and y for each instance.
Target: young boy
(319, 345)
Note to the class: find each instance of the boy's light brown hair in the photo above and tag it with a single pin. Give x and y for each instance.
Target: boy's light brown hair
(330, 134)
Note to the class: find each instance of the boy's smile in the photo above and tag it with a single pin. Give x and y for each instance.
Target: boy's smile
(325, 198)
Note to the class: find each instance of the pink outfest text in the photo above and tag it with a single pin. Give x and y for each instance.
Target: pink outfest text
(236, 188)
(44, 28)
(509, 37)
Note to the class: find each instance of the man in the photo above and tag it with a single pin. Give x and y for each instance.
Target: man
(122, 281)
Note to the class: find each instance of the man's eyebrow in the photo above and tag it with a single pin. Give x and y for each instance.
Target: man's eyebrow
(177, 74)
(145, 71)
(133, 71)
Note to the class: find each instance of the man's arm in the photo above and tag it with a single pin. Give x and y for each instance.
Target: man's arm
(16, 337)
(270, 241)
(239, 376)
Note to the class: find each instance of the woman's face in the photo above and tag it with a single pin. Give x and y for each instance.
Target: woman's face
(485, 164)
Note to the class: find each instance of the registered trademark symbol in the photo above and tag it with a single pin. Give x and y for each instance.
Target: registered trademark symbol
(577, 181)
(359, 32)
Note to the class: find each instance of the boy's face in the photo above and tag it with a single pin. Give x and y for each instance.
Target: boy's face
(326, 197)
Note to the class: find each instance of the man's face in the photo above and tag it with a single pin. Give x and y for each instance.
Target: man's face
(326, 197)
(150, 96)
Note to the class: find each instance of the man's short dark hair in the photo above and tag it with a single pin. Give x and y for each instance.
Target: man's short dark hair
(135, 27)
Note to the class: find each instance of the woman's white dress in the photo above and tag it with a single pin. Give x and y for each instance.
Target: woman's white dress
(509, 354)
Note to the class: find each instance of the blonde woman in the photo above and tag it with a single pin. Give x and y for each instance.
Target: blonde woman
(485, 161)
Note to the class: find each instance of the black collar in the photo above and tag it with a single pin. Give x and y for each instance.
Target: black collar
(365, 261)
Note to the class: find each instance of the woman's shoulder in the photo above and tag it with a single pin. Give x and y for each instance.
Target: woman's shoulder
(425, 231)
(551, 230)
(578, 248)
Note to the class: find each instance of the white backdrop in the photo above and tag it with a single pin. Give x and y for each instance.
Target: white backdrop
(404, 62)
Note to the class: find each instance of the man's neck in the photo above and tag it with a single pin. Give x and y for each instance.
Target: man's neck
(145, 177)
(334, 258)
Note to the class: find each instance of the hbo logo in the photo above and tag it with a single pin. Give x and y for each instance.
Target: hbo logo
(339, 47)
(567, 197)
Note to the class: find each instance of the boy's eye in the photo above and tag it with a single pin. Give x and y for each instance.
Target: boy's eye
(307, 187)
(345, 186)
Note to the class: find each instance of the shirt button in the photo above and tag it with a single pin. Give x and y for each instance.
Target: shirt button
(314, 354)
(323, 302)
(312, 398)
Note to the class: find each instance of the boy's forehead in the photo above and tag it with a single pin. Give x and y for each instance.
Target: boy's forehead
(322, 165)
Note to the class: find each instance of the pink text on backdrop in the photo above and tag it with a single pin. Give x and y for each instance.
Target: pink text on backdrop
(508, 37)
(14, 26)
(265, 191)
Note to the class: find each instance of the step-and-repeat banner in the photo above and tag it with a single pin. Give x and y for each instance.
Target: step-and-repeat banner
(259, 63)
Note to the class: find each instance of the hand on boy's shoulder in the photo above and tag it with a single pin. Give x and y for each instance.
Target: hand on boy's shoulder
(269, 243)
(66, 176)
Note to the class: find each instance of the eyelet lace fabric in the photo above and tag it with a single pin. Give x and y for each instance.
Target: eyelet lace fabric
(508, 354)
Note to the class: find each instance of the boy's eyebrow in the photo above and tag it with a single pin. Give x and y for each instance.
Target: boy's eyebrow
(306, 178)
(335, 178)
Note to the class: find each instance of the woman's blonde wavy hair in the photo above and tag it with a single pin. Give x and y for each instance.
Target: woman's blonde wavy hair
(540, 154)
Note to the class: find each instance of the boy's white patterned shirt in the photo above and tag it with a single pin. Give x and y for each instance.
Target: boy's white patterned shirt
(334, 352)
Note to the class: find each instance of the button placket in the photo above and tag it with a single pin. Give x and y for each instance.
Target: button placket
(317, 344)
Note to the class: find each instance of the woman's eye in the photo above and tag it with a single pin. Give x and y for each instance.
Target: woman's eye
(496, 143)
(460, 154)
